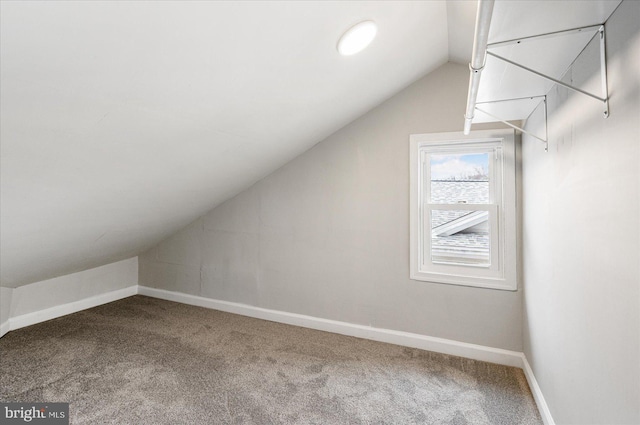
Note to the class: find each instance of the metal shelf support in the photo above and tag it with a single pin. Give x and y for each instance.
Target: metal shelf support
(603, 71)
(544, 140)
(603, 64)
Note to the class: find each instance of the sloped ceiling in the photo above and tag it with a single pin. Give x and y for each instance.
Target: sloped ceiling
(123, 121)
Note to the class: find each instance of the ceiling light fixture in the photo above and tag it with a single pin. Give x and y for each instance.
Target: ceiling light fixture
(357, 38)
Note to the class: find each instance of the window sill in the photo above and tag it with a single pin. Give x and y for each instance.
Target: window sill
(476, 282)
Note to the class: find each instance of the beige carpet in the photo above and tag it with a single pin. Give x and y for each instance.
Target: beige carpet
(147, 361)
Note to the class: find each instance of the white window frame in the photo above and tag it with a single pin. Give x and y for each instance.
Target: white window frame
(502, 272)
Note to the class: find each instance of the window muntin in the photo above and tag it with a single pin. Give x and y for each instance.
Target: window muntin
(459, 220)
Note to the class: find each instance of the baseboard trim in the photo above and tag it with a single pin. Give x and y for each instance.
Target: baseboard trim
(440, 345)
(537, 392)
(4, 328)
(72, 307)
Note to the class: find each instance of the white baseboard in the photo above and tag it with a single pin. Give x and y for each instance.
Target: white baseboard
(4, 328)
(73, 307)
(440, 345)
(537, 392)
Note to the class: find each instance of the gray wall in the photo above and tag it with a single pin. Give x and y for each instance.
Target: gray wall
(74, 287)
(327, 235)
(582, 240)
(5, 304)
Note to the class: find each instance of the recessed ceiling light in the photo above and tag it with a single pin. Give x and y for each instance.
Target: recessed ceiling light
(357, 38)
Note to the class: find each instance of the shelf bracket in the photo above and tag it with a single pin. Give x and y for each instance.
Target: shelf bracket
(544, 140)
(603, 68)
(603, 71)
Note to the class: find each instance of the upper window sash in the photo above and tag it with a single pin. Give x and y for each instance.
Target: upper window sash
(492, 148)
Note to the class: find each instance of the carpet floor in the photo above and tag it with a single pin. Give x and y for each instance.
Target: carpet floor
(147, 361)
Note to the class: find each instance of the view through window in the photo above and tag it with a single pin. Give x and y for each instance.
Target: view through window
(460, 236)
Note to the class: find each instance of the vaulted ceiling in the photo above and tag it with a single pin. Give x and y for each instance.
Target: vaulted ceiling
(123, 121)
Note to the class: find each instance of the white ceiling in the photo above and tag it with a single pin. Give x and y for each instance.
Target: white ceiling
(123, 121)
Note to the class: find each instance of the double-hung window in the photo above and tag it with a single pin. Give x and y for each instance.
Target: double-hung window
(463, 209)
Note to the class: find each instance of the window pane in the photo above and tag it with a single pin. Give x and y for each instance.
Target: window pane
(460, 178)
(460, 237)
